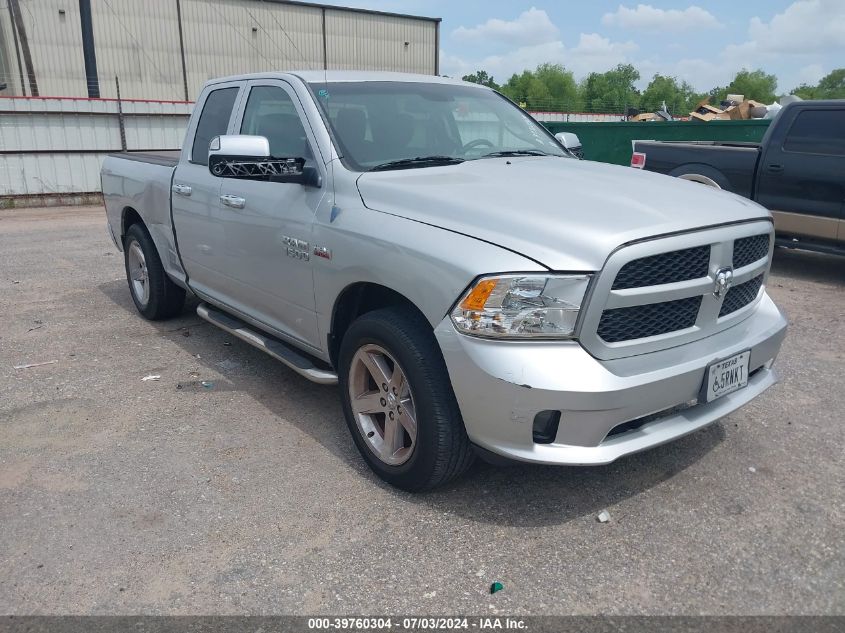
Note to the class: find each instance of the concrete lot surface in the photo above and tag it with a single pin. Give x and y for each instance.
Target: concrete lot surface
(124, 496)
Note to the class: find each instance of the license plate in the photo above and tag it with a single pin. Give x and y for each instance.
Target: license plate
(726, 376)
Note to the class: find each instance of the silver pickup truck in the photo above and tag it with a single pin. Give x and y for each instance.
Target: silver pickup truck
(471, 287)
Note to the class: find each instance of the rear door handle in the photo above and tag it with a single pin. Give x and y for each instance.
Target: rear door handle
(236, 202)
(182, 190)
(775, 168)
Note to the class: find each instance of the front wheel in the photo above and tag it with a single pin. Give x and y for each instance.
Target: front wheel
(153, 293)
(398, 401)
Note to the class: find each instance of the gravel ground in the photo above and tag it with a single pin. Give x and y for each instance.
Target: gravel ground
(122, 496)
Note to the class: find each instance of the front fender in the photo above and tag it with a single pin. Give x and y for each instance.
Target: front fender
(428, 265)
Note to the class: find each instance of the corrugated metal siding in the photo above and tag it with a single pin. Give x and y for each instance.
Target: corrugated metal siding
(28, 174)
(8, 63)
(55, 42)
(138, 42)
(76, 134)
(219, 38)
(360, 41)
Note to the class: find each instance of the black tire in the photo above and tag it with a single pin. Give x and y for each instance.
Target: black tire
(165, 299)
(442, 451)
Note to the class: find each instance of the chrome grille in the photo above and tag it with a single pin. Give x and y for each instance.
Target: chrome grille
(750, 249)
(665, 268)
(740, 296)
(660, 293)
(624, 324)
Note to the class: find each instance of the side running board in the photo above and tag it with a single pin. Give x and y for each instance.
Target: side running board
(294, 359)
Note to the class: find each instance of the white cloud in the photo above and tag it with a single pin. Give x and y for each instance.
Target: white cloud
(647, 18)
(805, 27)
(531, 27)
(501, 67)
(810, 74)
(592, 53)
(594, 45)
(701, 74)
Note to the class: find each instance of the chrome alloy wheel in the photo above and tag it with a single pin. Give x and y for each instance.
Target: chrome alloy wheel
(383, 404)
(139, 279)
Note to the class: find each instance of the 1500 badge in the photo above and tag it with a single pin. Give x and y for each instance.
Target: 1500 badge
(298, 249)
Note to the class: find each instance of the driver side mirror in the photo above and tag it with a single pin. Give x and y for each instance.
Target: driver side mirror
(248, 157)
(570, 143)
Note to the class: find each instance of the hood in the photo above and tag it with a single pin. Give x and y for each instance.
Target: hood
(567, 214)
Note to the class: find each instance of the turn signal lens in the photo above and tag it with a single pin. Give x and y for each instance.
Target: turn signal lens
(522, 306)
(478, 296)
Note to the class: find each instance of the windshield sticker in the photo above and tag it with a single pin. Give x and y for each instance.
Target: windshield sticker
(323, 94)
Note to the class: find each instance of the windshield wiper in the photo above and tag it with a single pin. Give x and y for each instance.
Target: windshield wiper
(419, 161)
(517, 152)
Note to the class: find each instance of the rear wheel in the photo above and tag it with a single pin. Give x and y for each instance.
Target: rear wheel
(154, 294)
(398, 401)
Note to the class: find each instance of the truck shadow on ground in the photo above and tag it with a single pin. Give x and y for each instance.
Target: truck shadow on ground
(516, 495)
(807, 266)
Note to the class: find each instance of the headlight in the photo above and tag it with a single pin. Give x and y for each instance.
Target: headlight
(522, 306)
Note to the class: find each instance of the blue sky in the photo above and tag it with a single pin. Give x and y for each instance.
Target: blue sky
(704, 43)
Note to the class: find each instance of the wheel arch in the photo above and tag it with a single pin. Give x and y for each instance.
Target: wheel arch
(702, 174)
(359, 298)
(704, 180)
(128, 217)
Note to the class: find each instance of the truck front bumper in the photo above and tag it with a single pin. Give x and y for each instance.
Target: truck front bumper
(501, 385)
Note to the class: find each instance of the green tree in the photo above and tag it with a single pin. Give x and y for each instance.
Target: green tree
(611, 91)
(561, 86)
(481, 77)
(752, 84)
(516, 88)
(548, 87)
(680, 98)
(831, 86)
(805, 91)
(538, 95)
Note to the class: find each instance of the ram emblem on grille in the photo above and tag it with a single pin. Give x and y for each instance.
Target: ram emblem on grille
(724, 281)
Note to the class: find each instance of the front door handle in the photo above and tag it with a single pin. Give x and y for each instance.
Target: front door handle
(236, 202)
(182, 190)
(775, 168)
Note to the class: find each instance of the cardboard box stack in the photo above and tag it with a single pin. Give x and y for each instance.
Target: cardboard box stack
(735, 108)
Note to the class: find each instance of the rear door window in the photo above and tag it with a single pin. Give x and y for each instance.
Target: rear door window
(817, 132)
(214, 121)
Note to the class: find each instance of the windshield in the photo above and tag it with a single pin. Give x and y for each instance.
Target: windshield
(379, 122)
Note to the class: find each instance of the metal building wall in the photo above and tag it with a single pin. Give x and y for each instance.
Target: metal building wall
(9, 73)
(379, 42)
(55, 42)
(56, 146)
(139, 41)
(227, 37)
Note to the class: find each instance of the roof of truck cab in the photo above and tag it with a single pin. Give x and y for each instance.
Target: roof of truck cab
(334, 76)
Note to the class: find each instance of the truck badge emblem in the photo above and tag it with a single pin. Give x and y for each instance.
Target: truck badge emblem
(724, 280)
(322, 251)
(296, 248)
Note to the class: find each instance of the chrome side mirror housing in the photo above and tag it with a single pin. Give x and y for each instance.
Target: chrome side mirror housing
(571, 143)
(240, 145)
(248, 158)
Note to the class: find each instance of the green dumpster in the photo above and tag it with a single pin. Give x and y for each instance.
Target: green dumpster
(611, 142)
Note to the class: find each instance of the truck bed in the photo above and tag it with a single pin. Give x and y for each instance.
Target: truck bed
(740, 144)
(733, 166)
(139, 182)
(166, 158)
